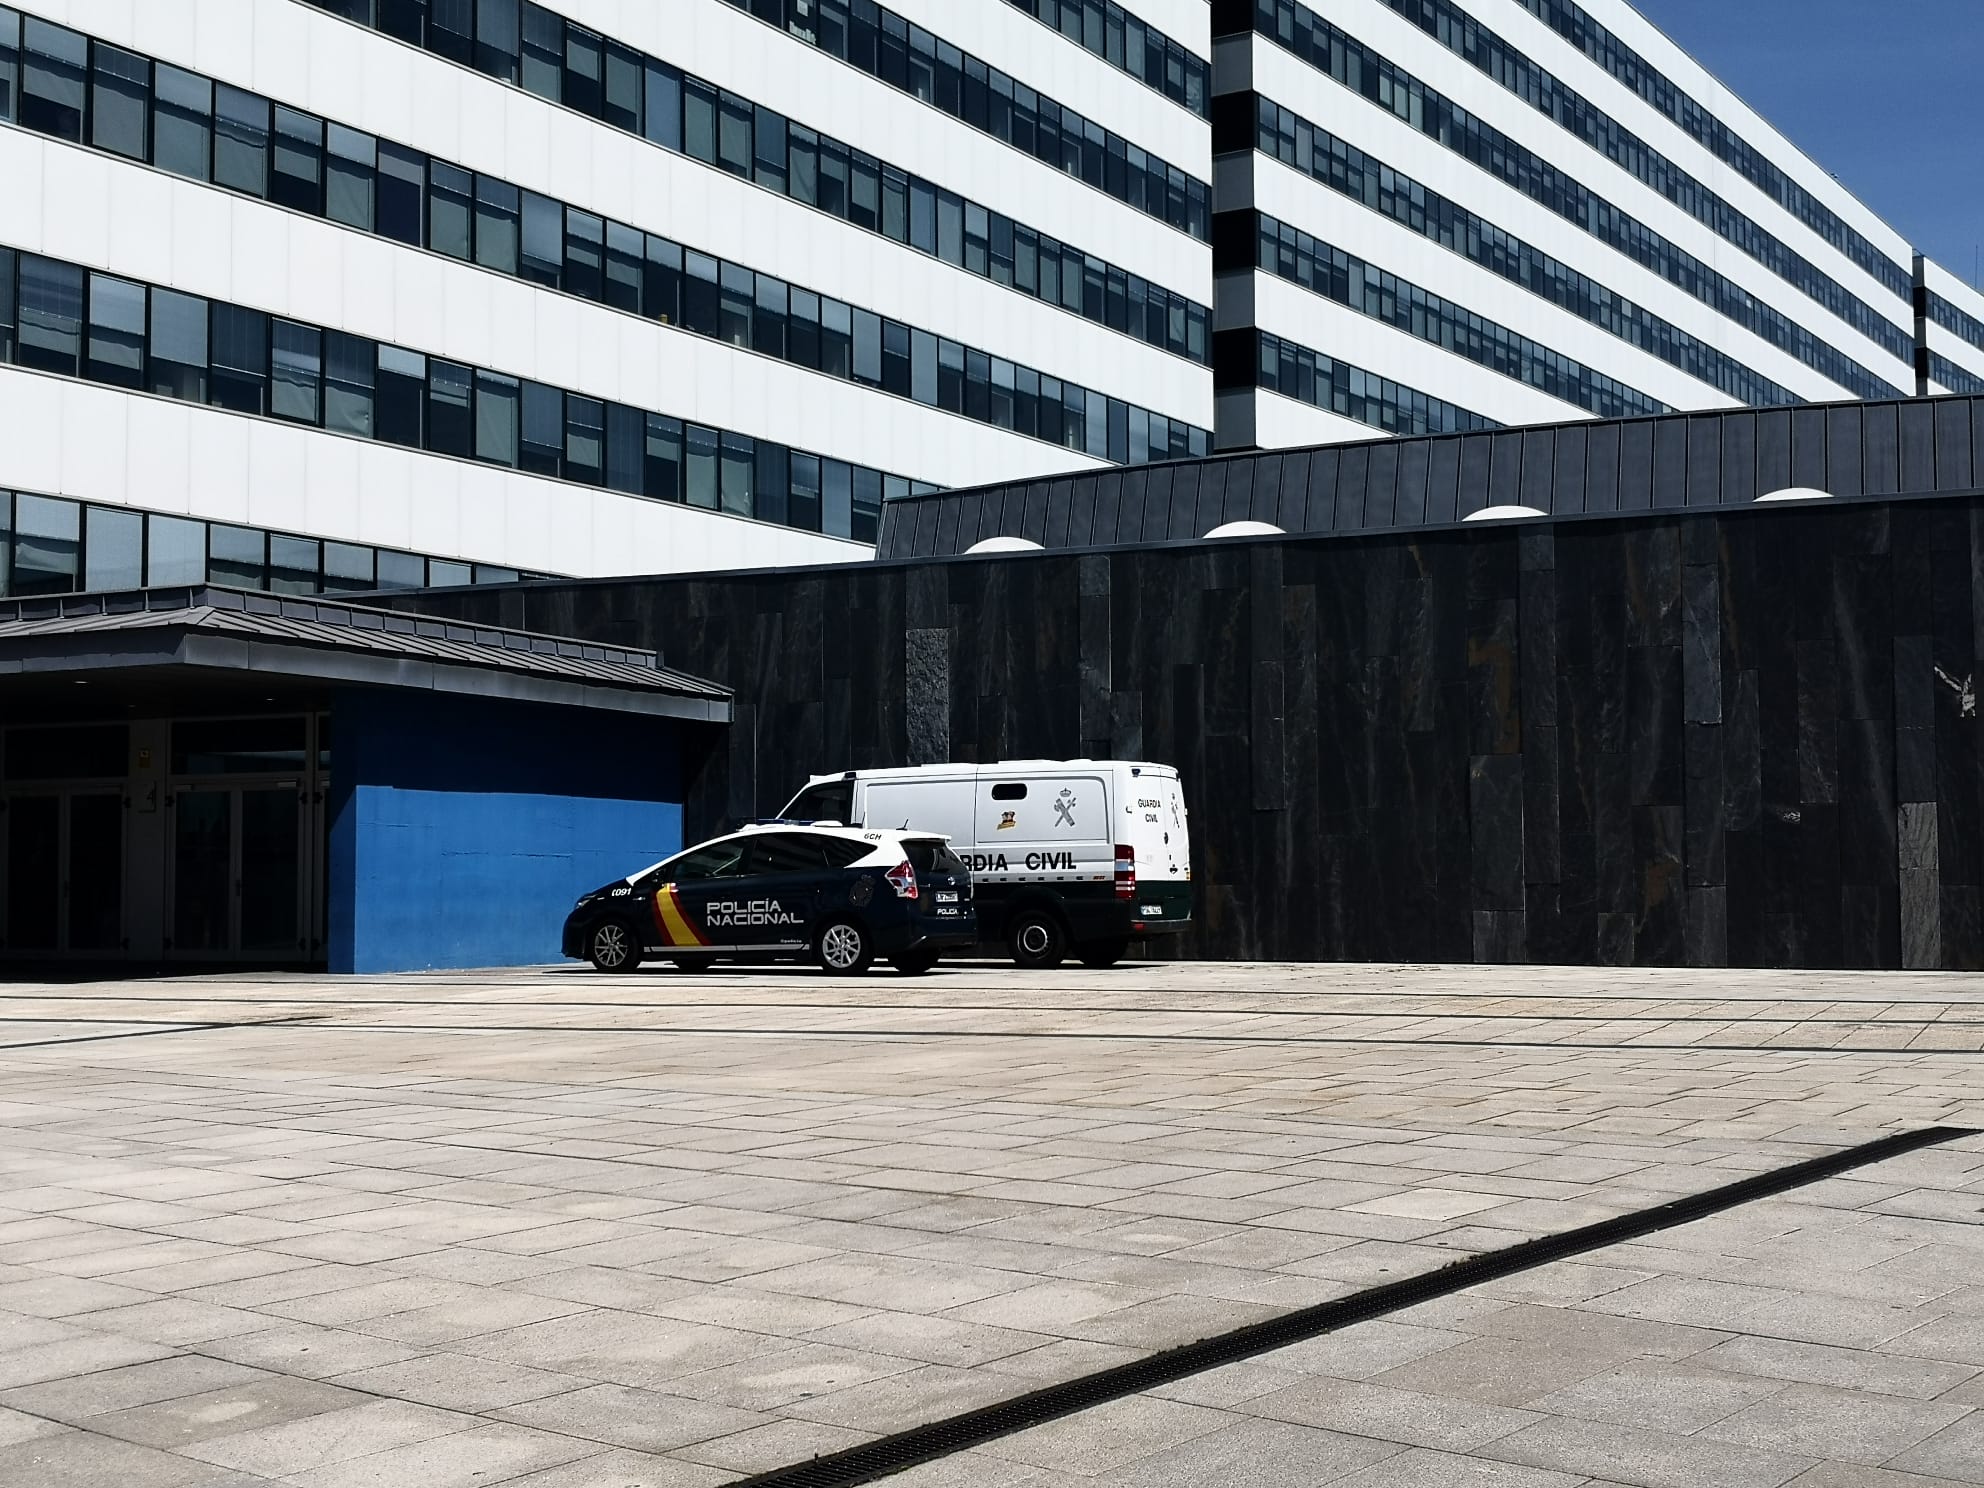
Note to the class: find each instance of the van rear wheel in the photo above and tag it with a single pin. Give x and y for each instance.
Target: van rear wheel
(1036, 939)
(1101, 954)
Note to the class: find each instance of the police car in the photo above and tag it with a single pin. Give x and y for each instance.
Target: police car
(784, 891)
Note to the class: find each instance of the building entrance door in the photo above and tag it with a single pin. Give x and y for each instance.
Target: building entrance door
(241, 877)
(244, 852)
(64, 871)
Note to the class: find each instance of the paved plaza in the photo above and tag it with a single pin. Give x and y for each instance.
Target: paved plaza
(547, 1229)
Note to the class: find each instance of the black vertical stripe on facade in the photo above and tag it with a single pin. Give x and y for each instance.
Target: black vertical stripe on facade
(1916, 447)
(1690, 735)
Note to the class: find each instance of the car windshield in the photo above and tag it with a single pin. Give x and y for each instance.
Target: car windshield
(833, 801)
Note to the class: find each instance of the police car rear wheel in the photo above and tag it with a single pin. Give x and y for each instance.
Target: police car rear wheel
(610, 947)
(843, 949)
(1037, 940)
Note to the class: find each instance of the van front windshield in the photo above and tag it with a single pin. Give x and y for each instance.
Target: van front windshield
(833, 801)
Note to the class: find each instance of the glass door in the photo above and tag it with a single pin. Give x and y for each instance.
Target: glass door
(34, 873)
(203, 877)
(272, 858)
(93, 878)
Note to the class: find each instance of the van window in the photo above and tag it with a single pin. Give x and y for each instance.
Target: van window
(1009, 792)
(832, 801)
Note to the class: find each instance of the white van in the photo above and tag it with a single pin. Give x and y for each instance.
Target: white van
(1065, 855)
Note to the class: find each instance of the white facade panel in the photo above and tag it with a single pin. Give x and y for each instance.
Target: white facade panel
(382, 87)
(1705, 88)
(735, 51)
(64, 438)
(1283, 193)
(459, 312)
(1390, 139)
(1964, 354)
(1405, 44)
(1372, 346)
(1275, 422)
(1572, 67)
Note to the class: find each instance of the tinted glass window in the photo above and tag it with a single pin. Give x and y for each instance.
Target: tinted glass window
(175, 551)
(73, 753)
(182, 123)
(241, 141)
(238, 746)
(718, 860)
(297, 178)
(786, 852)
(10, 58)
(47, 545)
(120, 102)
(52, 62)
(240, 359)
(117, 331)
(177, 363)
(350, 177)
(115, 548)
(298, 361)
(51, 327)
(833, 801)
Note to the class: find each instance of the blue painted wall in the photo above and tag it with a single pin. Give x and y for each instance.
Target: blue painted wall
(461, 829)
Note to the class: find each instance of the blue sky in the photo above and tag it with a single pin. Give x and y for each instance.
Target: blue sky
(1888, 95)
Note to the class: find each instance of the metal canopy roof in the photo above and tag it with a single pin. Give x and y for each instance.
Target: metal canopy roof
(1719, 459)
(335, 642)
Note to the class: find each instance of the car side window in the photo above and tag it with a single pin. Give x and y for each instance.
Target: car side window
(718, 860)
(786, 852)
(842, 853)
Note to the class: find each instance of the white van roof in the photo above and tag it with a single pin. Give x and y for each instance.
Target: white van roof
(994, 767)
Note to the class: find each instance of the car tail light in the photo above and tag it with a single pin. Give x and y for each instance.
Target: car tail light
(902, 878)
(1126, 871)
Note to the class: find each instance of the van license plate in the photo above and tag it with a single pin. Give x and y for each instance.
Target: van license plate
(1153, 909)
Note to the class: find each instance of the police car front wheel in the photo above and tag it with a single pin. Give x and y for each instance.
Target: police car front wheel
(843, 948)
(611, 947)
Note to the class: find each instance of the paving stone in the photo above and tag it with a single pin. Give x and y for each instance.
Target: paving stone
(1655, 1458)
(1405, 1416)
(1835, 1425)
(1957, 1451)
(1110, 1436)
(1421, 1468)
(464, 1459)
(81, 1459)
(322, 1438)
(76, 1396)
(623, 1469)
(459, 1382)
(617, 1416)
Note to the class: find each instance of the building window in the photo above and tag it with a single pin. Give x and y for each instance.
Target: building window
(350, 174)
(585, 440)
(662, 472)
(182, 123)
(836, 498)
(114, 549)
(117, 332)
(237, 556)
(701, 467)
(401, 396)
(298, 361)
(400, 193)
(241, 141)
(625, 449)
(175, 551)
(450, 209)
(496, 224)
(541, 444)
(293, 564)
(297, 178)
(241, 359)
(498, 34)
(739, 460)
(543, 52)
(350, 370)
(176, 361)
(450, 428)
(543, 240)
(47, 545)
(10, 63)
(664, 106)
(51, 325)
(585, 254)
(496, 418)
(6, 308)
(348, 566)
(53, 61)
(120, 102)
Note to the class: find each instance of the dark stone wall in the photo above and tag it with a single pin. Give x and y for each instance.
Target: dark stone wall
(1740, 737)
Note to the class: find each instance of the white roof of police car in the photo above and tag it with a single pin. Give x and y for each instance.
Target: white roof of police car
(869, 837)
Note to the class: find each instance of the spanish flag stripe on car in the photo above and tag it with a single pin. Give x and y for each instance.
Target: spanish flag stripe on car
(677, 929)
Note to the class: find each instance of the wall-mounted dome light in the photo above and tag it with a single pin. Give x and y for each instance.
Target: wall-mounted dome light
(1246, 529)
(1004, 545)
(1503, 514)
(1797, 493)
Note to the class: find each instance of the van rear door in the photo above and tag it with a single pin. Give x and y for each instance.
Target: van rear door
(1158, 827)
